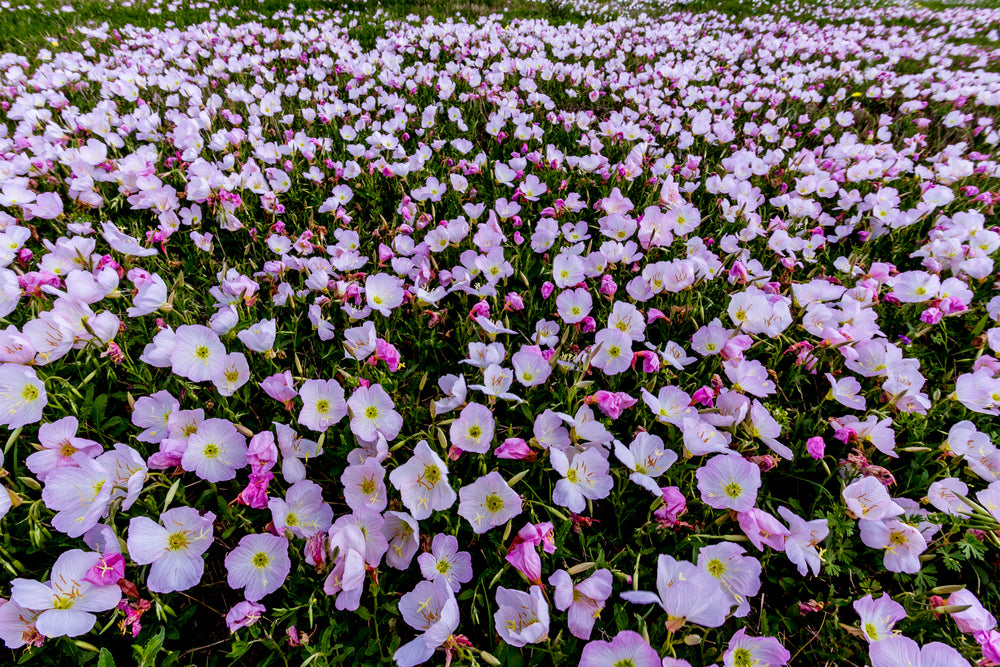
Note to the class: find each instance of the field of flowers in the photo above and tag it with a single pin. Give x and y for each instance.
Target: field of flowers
(559, 333)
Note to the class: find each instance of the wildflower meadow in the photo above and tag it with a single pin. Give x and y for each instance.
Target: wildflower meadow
(647, 333)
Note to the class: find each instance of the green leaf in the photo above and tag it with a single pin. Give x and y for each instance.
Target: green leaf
(146, 655)
(105, 659)
(98, 409)
(239, 648)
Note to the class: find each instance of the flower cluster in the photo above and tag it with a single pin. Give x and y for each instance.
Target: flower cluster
(497, 340)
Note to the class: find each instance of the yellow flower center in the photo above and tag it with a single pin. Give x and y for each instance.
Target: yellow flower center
(494, 503)
(177, 541)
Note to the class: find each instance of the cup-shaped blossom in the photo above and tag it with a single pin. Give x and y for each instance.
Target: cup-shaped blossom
(455, 391)
(374, 543)
(686, 593)
(583, 601)
(802, 540)
(423, 483)
(614, 352)
(845, 391)
(402, 535)
(59, 444)
(574, 305)
(446, 562)
(347, 578)
(647, 458)
(737, 573)
(946, 496)
(360, 342)
(900, 651)
(127, 472)
(901, 542)
(730, 482)
(259, 565)
(627, 648)
(323, 404)
(216, 451)
(383, 292)
(670, 405)
(22, 396)
(701, 437)
(473, 430)
(973, 620)
(303, 511)
(259, 337)
(234, 374)
(915, 286)
(531, 368)
(198, 354)
(364, 485)
(749, 376)
(878, 617)
(68, 601)
(488, 502)
(585, 477)
(80, 496)
(294, 449)
(173, 548)
(372, 413)
(431, 608)
(280, 387)
(763, 529)
(17, 626)
(521, 618)
(758, 651)
(153, 414)
(243, 614)
(496, 382)
(868, 499)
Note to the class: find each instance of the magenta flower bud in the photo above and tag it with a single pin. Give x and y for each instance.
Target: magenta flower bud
(108, 570)
(547, 288)
(704, 396)
(650, 361)
(481, 309)
(845, 434)
(279, 387)
(518, 238)
(816, 447)
(674, 505)
(513, 301)
(931, 316)
(262, 453)
(243, 614)
(588, 324)
(255, 493)
(608, 286)
(514, 448)
(388, 353)
(315, 550)
(951, 305)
